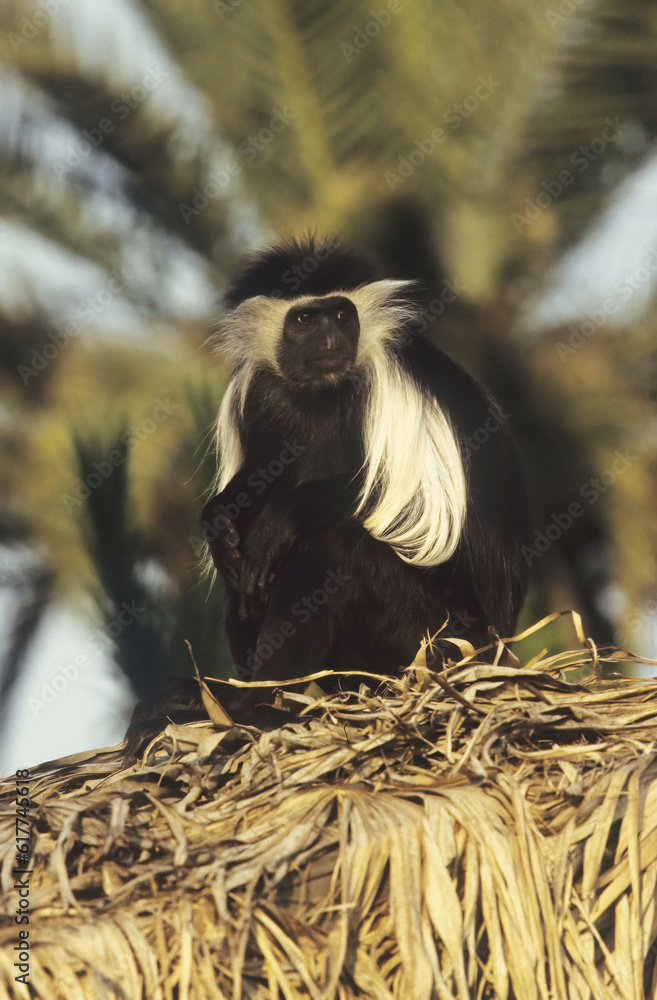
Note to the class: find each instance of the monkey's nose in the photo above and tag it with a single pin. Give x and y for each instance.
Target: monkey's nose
(331, 342)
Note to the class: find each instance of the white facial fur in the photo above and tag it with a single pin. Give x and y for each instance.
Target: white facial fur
(414, 497)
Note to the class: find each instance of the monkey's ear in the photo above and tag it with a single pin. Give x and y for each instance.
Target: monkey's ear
(252, 330)
(385, 309)
(388, 290)
(256, 301)
(254, 308)
(393, 299)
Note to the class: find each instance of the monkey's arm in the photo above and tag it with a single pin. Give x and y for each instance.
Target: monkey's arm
(223, 541)
(276, 521)
(309, 506)
(225, 519)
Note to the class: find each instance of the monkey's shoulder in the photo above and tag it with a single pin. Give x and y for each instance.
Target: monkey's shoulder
(449, 382)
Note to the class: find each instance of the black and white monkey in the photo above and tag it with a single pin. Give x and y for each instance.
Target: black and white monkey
(368, 487)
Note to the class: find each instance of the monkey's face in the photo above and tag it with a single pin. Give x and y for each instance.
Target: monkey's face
(320, 341)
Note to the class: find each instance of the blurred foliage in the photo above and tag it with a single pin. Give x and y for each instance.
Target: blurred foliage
(149, 144)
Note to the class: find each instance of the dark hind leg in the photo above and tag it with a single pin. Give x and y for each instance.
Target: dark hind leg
(242, 635)
(344, 601)
(306, 604)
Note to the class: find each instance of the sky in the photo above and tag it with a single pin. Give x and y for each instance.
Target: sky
(58, 707)
(618, 256)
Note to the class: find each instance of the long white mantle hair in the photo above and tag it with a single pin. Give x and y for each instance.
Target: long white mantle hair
(414, 494)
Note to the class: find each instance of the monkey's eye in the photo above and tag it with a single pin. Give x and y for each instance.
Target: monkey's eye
(342, 316)
(305, 318)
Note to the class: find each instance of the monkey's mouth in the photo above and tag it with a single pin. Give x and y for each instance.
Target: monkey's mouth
(329, 363)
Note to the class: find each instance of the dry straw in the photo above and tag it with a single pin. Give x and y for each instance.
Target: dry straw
(482, 830)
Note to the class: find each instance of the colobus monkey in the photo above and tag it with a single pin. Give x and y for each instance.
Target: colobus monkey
(368, 489)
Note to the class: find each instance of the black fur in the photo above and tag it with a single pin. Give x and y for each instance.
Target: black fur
(288, 269)
(307, 587)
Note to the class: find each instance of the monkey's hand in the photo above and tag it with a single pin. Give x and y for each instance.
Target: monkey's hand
(269, 539)
(224, 542)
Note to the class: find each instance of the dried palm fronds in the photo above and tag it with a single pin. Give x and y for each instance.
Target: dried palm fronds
(479, 830)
